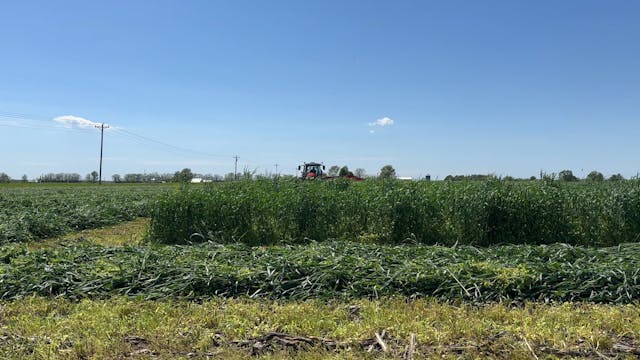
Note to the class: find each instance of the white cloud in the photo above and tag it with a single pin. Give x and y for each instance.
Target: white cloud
(71, 121)
(385, 121)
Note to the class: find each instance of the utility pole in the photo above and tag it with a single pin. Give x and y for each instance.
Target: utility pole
(235, 169)
(276, 165)
(101, 127)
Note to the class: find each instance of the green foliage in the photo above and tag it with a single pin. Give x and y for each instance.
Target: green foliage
(360, 172)
(616, 177)
(477, 213)
(387, 172)
(595, 176)
(329, 270)
(334, 170)
(59, 178)
(473, 177)
(183, 176)
(567, 175)
(344, 171)
(4, 178)
(37, 211)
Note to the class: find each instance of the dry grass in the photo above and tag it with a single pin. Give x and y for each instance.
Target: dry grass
(39, 328)
(127, 233)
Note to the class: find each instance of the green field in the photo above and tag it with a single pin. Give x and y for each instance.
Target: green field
(320, 270)
(392, 212)
(38, 211)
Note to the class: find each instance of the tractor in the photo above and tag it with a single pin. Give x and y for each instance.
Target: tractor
(312, 171)
(315, 171)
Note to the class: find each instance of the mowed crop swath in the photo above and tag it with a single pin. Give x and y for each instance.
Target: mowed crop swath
(35, 212)
(341, 270)
(447, 213)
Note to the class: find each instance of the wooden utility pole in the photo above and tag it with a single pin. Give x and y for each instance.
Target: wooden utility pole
(101, 127)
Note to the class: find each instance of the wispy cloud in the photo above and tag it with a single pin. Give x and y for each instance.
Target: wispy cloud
(385, 121)
(11, 123)
(75, 121)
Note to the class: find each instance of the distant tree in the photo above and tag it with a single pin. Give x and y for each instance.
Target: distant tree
(595, 176)
(208, 177)
(94, 176)
(344, 171)
(616, 177)
(473, 177)
(567, 175)
(25, 178)
(185, 175)
(334, 170)
(533, 178)
(4, 178)
(60, 177)
(388, 172)
(360, 172)
(133, 178)
(248, 174)
(229, 176)
(116, 178)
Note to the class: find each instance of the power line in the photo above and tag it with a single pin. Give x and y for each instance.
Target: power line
(182, 149)
(19, 120)
(26, 125)
(18, 116)
(23, 116)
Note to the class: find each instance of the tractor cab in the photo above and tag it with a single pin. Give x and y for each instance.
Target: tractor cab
(311, 170)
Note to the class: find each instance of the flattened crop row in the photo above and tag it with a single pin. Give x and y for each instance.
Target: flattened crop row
(32, 213)
(326, 270)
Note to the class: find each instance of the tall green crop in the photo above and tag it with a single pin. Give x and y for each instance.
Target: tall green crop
(477, 213)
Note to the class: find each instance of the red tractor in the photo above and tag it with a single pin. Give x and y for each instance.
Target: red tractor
(314, 170)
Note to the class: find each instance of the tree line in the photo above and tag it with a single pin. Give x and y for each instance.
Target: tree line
(564, 175)
(386, 172)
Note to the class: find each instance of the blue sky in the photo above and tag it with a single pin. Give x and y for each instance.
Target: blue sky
(505, 87)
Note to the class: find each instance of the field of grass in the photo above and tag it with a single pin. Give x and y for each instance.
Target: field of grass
(38, 211)
(320, 270)
(447, 213)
